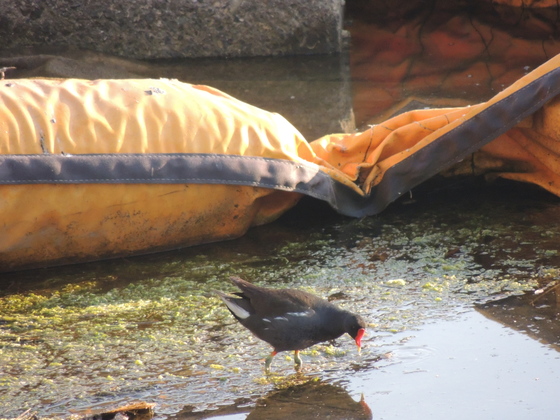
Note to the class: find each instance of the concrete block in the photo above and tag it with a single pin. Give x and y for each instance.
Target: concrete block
(176, 28)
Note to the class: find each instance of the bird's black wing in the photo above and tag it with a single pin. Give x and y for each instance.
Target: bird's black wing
(277, 302)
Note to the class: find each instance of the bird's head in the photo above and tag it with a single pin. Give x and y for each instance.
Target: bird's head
(355, 326)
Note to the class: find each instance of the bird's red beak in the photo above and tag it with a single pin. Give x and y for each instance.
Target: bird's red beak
(359, 336)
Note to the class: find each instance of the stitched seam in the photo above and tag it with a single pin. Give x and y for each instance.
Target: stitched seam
(306, 191)
(147, 156)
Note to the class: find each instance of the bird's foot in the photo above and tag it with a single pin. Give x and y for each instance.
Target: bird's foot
(298, 363)
(268, 362)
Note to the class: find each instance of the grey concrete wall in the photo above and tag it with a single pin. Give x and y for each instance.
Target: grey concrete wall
(176, 28)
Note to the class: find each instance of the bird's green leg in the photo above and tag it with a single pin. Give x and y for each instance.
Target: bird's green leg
(298, 363)
(268, 361)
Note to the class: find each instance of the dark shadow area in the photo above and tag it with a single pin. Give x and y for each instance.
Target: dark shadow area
(536, 314)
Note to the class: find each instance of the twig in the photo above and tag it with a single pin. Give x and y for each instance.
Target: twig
(549, 288)
(28, 415)
(3, 71)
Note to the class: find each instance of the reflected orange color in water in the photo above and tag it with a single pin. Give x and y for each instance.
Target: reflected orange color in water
(438, 51)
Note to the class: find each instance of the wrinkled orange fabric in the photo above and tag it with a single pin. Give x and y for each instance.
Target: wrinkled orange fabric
(530, 152)
(51, 223)
(46, 224)
(362, 156)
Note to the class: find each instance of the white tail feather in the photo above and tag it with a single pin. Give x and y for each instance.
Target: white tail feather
(236, 309)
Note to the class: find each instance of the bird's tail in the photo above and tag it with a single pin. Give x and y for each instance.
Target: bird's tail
(237, 306)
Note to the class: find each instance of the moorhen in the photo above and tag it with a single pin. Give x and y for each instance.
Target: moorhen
(290, 319)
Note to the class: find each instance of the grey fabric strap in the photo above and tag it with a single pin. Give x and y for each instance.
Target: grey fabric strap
(172, 168)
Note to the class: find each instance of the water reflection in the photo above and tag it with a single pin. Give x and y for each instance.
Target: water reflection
(448, 53)
(311, 400)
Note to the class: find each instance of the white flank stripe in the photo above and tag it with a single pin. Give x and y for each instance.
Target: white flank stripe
(281, 318)
(306, 313)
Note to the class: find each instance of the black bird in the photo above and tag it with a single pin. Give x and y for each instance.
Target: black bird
(290, 319)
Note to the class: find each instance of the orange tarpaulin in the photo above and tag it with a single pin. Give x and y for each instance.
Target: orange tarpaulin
(97, 169)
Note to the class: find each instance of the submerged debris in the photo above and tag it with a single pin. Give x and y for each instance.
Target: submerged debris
(135, 411)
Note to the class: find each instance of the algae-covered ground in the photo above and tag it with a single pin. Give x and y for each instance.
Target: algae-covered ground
(101, 335)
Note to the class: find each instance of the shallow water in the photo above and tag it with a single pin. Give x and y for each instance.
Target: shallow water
(456, 281)
(471, 368)
(101, 335)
